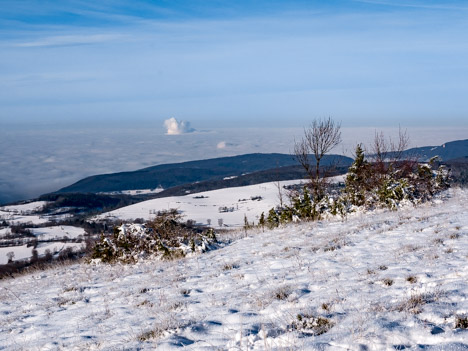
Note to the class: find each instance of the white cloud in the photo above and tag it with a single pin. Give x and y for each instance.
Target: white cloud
(49, 160)
(221, 145)
(175, 127)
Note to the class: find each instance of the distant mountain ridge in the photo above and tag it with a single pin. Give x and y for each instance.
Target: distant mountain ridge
(216, 169)
(447, 151)
(177, 174)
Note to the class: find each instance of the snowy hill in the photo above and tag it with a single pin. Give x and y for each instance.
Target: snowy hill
(386, 280)
(229, 205)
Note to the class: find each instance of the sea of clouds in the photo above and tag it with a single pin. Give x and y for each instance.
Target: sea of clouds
(35, 161)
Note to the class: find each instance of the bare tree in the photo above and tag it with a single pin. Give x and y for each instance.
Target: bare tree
(280, 192)
(319, 139)
(278, 186)
(389, 151)
(388, 155)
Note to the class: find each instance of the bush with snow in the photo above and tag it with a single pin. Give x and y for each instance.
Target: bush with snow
(388, 185)
(367, 185)
(164, 237)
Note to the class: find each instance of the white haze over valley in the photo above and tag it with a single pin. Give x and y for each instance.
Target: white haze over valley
(39, 159)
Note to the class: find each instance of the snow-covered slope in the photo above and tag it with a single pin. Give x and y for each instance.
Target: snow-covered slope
(23, 252)
(58, 232)
(49, 239)
(229, 204)
(377, 281)
(23, 213)
(24, 208)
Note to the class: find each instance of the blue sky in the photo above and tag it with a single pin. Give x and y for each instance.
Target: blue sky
(221, 63)
(86, 86)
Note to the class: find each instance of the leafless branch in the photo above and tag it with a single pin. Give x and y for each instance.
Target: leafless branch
(319, 139)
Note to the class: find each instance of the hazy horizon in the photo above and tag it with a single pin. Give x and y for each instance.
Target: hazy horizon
(36, 160)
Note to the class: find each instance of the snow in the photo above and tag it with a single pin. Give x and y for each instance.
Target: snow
(135, 192)
(58, 232)
(27, 214)
(21, 252)
(385, 280)
(230, 177)
(4, 232)
(55, 233)
(23, 213)
(57, 246)
(206, 205)
(25, 252)
(27, 207)
(14, 218)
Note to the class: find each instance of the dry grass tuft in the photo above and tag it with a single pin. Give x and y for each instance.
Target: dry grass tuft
(309, 324)
(282, 292)
(416, 301)
(150, 334)
(229, 266)
(461, 322)
(388, 281)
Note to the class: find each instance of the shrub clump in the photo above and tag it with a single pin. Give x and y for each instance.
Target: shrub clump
(368, 185)
(461, 322)
(387, 184)
(309, 324)
(164, 237)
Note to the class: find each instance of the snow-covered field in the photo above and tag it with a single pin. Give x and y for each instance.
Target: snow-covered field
(135, 192)
(377, 281)
(55, 233)
(23, 213)
(4, 232)
(58, 232)
(27, 214)
(25, 252)
(230, 205)
(27, 207)
(23, 219)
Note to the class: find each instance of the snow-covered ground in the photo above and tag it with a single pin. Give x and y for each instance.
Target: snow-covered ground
(23, 213)
(58, 232)
(229, 204)
(23, 252)
(13, 218)
(64, 232)
(378, 281)
(135, 192)
(4, 232)
(27, 207)
(27, 214)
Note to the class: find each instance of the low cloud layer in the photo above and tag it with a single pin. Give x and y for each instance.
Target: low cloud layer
(39, 160)
(223, 145)
(175, 127)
